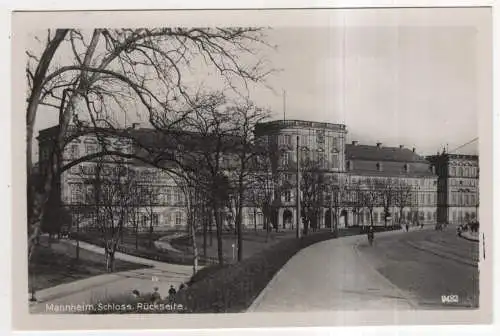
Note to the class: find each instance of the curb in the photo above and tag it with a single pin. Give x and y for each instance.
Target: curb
(472, 239)
(255, 304)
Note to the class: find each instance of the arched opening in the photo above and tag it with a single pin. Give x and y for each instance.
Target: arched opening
(287, 218)
(328, 218)
(344, 222)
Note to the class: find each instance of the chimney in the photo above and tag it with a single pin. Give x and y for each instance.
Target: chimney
(414, 150)
(379, 144)
(401, 146)
(355, 142)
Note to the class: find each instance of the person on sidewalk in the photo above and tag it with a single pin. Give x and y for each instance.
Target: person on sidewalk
(171, 294)
(407, 227)
(371, 235)
(156, 296)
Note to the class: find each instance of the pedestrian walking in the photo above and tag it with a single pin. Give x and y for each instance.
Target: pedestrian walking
(371, 235)
(136, 294)
(407, 227)
(156, 296)
(171, 294)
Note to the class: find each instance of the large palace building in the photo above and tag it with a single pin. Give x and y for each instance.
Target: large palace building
(422, 190)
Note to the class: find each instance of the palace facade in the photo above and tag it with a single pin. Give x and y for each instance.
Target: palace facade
(351, 169)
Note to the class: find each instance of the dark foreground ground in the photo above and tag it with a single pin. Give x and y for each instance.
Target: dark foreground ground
(56, 263)
(427, 265)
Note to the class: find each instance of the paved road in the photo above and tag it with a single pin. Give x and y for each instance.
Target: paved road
(427, 265)
(331, 275)
(404, 270)
(100, 288)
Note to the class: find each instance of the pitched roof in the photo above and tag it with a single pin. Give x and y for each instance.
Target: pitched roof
(374, 153)
(391, 168)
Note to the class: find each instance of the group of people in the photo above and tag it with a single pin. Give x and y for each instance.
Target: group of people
(156, 296)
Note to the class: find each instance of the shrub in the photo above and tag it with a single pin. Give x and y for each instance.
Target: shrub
(205, 272)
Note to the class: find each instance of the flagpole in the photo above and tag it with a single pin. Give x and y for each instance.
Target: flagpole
(284, 104)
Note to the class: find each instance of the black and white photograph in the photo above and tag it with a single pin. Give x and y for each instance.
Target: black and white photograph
(285, 162)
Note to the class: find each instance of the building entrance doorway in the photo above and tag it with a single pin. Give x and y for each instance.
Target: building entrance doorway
(344, 221)
(287, 219)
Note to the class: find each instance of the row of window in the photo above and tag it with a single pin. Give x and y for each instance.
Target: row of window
(464, 171)
(74, 151)
(146, 195)
(378, 217)
(464, 199)
(311, 141)
(324, 161)
(465, 182)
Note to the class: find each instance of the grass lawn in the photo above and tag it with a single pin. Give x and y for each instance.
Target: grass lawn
(145, 246)
(57, 264)
(253, 242)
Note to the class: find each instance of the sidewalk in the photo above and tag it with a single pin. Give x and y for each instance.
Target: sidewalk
(99, 288)
(122, 256)
(331, 276)
(473, 236)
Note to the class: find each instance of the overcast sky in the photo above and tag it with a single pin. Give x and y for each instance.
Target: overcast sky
(405, 83)
(414, 86)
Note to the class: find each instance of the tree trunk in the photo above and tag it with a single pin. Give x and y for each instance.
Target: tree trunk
(194, 246)
(211, 223)
(110, 261)
(239, 224)
(218, 226)
(254, 220)
(136, 235)
(151, 232)
(77, 239)
(205, 229)
(268, 229)
(34, 98)
(37, 205)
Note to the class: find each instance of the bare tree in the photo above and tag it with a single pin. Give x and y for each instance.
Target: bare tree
(110, 70)
(113, 189)
(387, 188)
(403, 197)
(205, 147)
(369, 196)
(150, 197)
(313, 188)
(264, 187)
(193, 199)
(245, 116)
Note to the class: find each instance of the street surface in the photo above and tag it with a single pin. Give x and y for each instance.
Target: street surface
(403, 270)
(428, 264)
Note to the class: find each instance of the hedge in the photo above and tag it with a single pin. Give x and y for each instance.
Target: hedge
(233, 288)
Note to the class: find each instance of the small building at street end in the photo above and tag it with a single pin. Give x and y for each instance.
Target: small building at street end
(458, 187)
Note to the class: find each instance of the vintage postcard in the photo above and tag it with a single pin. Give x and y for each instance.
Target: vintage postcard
(252, 168)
